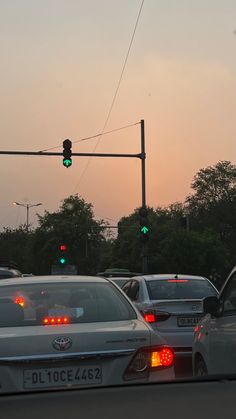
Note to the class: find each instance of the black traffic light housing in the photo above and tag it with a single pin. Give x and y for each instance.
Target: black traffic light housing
(144, 225)
(62, 254)
(67, 161)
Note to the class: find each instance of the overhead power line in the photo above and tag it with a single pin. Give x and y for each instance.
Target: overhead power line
(91, 137)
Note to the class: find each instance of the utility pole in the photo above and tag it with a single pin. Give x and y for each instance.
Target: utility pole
(27, 206)
(143, 175)
(143, 158)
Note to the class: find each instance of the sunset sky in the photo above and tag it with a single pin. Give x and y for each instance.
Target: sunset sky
(60, 64)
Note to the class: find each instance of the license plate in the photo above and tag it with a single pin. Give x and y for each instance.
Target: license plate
(61, 377)
(188, 321)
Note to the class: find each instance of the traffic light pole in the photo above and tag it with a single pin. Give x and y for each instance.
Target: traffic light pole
(143, 174)
(141, 156)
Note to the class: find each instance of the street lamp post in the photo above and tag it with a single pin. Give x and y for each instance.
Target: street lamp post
(27, 206)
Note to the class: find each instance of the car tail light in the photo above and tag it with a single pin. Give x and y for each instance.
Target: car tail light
(51, 321)
(149, 359)
(20, 300)
(154, 316)
(149, 317)
(166, 357)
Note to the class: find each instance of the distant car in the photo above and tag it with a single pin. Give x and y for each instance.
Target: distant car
(75, 331)
(214, 347)
(117, 272)
(6, 272)
(172, 304)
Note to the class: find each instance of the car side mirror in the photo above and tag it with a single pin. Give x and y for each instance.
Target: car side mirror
(211, 305)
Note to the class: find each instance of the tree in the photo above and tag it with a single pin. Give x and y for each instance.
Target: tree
(196, 253)
(74, 225)
(15, 246)
(212, 185)
(127, 248)
(213, 203)
(171, 249)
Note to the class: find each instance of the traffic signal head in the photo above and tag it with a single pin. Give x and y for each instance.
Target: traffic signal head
(144, 224)
(62, 258)
(67, 161)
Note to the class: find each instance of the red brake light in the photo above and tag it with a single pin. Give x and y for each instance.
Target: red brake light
(155, 316)
(149, 317)
(166, 357)
(56, 320)
(177, 280)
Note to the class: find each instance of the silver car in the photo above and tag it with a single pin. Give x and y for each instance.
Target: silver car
(75, 331)
(172, 304)
(214, 347)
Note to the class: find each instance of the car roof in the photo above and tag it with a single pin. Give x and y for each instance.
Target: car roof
(52, 279)
(170, 276)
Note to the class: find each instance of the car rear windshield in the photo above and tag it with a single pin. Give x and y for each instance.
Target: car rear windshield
(60, 303)
(179, 289)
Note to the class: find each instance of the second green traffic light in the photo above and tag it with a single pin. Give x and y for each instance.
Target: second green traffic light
(144, 224)
(67, 160)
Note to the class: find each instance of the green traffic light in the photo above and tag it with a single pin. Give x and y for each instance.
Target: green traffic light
(67, 162)
(144, 230)
(62, 261)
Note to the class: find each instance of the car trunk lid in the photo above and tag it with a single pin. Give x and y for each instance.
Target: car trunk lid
(40, 340)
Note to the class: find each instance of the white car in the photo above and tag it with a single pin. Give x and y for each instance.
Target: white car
(172, 304)
(75, 331)
(214, 348)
